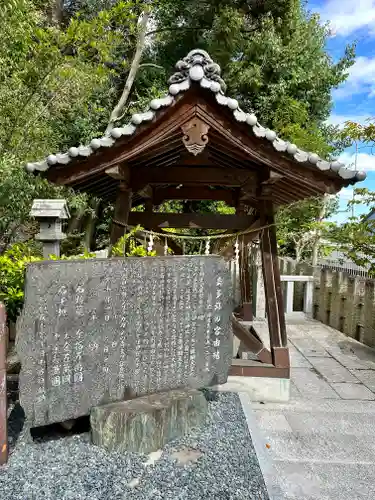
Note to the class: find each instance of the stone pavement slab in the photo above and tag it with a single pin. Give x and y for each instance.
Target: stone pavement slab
(294, 392)
(324, 423)
(332, 371)
(353, 391)
(367, 377)
(326, 406)
(311, 385)
(309, 347)
(271, 421)
(297, 360)
(328, 481)
(320, 447)
(321, 443)
(351, 362)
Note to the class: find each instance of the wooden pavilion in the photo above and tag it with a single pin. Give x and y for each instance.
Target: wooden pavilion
(197, 144)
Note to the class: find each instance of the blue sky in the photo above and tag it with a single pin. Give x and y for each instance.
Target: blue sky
(353, 21)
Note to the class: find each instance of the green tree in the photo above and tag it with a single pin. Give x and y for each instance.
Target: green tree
(272, 54)
(302, 227)
(355, 238)
(67, 63)
(57, 87)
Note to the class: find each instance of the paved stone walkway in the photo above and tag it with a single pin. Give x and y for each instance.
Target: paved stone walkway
(323, 441)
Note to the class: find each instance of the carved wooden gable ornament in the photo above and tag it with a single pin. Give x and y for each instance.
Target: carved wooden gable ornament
(195, 135)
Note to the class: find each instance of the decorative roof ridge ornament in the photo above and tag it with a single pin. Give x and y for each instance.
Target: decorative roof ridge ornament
(198, 68)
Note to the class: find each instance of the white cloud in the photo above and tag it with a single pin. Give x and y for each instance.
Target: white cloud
(361, 79)
(365, 161)
(336, 119)
(348, 16)
(346, 194)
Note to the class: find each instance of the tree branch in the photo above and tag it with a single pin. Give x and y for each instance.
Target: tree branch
(150, 65)
(132, 73)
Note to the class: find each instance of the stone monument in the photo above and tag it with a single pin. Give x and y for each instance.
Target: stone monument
(98, 331)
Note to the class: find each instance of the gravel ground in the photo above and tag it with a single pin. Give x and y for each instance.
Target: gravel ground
(215, 462)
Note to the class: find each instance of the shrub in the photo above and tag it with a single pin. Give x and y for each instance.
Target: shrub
(13, 263)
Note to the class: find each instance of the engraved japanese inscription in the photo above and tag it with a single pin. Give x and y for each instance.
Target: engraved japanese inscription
(101, 330)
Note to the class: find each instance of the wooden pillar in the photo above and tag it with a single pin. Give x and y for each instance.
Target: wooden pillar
(244, 272)
(272, 285)
(122, 209)
(245, 280)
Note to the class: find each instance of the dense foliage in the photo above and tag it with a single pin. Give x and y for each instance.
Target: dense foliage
(12, 274)
(65, 63)
(355, 238)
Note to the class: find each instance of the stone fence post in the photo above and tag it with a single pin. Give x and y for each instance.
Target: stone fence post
(3, 387)
(50, 214)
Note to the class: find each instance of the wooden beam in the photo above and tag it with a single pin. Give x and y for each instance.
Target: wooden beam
(122, 210)
(212, 221)
(251, 341)
(272, 283)
(249, 368)
(276, 273)
(212, 176)
(119, 172)
(194, 193)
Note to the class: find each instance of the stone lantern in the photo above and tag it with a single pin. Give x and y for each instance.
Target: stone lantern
(50, 214)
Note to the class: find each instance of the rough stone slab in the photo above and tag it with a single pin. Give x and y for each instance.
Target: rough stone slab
(353, 391)
(332, 371)
(310, 385)
(98, 331)
(367, 377)
(146, 424)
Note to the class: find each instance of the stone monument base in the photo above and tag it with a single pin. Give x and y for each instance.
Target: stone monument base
(147, 423)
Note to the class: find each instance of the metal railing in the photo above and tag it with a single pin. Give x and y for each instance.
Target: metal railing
(345, 267)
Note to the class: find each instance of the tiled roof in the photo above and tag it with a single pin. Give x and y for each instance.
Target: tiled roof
(198, 68)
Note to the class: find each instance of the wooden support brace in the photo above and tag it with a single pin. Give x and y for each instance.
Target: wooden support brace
(251, 341)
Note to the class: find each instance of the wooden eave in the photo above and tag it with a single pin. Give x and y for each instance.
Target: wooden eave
(157, 146)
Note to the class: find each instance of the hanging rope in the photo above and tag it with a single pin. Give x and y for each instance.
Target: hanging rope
(237, 251)
(150, 243)
(210, 237)
(207, 249)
